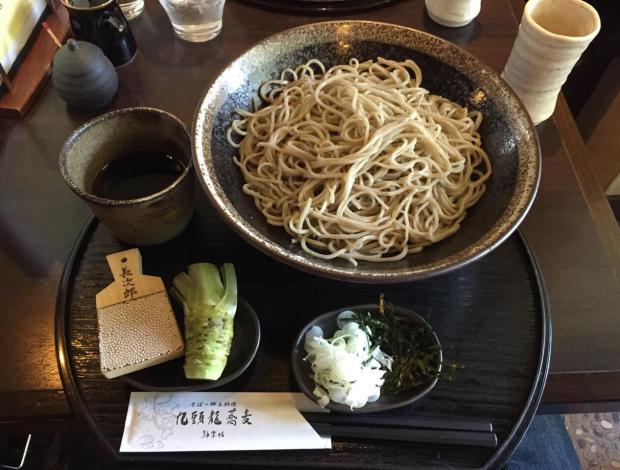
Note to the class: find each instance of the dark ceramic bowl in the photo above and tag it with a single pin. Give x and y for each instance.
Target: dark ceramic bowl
(169, 376)
(303, 372)
(508, 136)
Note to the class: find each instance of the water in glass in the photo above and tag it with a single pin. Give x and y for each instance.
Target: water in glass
(131, 8)
(195, 20)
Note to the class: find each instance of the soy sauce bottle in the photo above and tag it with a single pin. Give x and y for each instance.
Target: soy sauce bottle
(102, 23)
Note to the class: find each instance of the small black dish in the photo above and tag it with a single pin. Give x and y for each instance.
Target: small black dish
(169, 376)
(327, 322)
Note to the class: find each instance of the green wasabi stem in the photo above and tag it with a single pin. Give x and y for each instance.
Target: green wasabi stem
(180, 289)
(209, 299)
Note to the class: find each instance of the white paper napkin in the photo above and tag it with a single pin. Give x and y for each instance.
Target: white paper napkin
(216, 421)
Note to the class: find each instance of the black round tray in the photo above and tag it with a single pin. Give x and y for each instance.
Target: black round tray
(319, 7)
(491, 316)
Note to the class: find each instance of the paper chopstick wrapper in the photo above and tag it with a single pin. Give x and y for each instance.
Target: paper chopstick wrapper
(219, 421)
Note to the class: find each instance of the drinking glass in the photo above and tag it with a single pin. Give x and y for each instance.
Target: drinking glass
(131, 8)
(195, 20)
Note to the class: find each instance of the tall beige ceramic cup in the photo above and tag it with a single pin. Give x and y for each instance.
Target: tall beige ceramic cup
(552, 36)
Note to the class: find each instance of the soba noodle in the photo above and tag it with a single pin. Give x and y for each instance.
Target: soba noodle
(359, 161)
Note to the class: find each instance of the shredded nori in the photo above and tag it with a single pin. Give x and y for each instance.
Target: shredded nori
(411, 346)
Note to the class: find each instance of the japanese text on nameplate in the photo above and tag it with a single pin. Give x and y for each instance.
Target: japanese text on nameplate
(129, 287)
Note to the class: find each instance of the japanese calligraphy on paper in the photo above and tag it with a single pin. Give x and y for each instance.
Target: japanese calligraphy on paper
(196, 421)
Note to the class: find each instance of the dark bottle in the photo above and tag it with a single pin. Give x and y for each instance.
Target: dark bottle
(102, 23)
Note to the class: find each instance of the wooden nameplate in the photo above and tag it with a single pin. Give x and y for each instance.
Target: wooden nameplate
(137, 326)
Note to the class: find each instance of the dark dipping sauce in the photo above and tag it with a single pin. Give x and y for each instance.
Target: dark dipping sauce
(136, 175)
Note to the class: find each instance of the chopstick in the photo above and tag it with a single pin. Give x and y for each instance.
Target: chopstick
(387, 421)
(476, 433)
(430, 436)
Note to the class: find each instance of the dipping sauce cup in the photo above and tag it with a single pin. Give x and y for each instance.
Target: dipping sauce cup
(145, 136)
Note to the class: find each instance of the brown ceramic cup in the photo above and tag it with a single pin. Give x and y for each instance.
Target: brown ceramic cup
(148, 220)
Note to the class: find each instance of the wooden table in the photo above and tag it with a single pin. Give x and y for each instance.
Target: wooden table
(569, 227)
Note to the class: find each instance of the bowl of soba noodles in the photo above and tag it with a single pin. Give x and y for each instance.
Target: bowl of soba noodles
(366, 152)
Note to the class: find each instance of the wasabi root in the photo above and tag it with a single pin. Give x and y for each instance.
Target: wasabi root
(209, 299)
